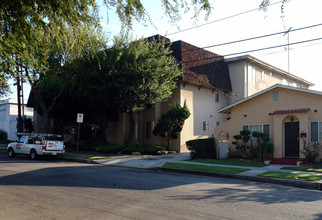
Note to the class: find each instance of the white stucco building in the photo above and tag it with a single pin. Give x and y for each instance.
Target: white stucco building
(9, 115)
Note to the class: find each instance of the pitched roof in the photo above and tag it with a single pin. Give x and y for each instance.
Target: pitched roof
(202, 67)
(199, 66)
(228, 108)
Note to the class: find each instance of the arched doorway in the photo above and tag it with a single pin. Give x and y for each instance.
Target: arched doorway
(223, 144)
(291, 137)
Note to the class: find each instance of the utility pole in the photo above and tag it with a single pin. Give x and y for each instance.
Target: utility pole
(20, 126)
(288, 48)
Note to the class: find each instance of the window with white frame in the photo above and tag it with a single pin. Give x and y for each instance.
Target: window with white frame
(316, 131)
(251, 74)
(263, 75)
(263, 128)
(205, 126)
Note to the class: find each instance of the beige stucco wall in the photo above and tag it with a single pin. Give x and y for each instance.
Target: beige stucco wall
(202, 106)
(243, 87)
(259, 111)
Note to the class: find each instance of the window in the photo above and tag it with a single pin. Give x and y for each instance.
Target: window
(217, 97)
(251, 74)
(263, 75)
(284, 82)
(216, 124)
(275, 96)
(205, 125)
(316, 131)
(263, 128)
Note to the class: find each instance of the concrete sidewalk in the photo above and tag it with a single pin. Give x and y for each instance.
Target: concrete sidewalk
(156, 162)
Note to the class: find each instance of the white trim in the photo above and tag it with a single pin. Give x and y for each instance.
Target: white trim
(223, 110)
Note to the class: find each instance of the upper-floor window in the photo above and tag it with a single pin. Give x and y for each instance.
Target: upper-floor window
(284, 82)
(205, 126)
(263, 75)
(275, 96)
(217, 97)
(251, 74)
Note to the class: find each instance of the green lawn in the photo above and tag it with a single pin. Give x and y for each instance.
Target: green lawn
(292, 176)
(309, 169)
(3, 149)
(204, 168)
(229, 162)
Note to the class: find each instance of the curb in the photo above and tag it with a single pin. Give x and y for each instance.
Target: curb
(294, 183)
(79, 160)
(285, 182)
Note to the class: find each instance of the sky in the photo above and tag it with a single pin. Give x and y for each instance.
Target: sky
(228, 23)
(233, 20)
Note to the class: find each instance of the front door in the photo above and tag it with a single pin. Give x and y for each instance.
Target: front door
(292, 139)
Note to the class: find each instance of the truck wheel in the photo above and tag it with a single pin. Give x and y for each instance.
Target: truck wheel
(11, 153)
(33, 154)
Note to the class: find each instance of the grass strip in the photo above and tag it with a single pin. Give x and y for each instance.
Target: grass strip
(208, 168)
(292, 176)
(3, 149)
(229, 162)
(308, 169)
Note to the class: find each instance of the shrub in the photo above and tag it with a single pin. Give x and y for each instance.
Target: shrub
(234, 154)
(202, 148)
(110, 149)
(311, 152)
(86, 145)
(143, 149)
(3, 135)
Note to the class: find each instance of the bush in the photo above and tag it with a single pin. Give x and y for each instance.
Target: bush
(128, 149)
(234, 154)
(86, 145)
(268, 150)
(311, 152)
(110, 149)
(143, 149)
(3, 135)
(202, 148)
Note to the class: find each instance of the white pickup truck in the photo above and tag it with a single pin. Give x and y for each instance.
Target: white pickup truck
(33, 144)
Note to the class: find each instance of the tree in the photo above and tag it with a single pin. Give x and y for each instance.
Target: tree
(171, 123)
(125, 78)
(143, 73)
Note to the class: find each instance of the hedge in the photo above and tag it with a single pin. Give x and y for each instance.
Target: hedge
(202, 148)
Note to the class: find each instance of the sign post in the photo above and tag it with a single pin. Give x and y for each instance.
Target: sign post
(80, 118)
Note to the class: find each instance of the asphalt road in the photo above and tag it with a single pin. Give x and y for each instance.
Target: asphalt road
(48, 189)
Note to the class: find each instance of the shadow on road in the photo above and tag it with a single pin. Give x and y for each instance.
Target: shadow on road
(200, 187)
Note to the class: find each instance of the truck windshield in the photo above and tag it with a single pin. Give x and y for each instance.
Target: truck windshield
(22, 139)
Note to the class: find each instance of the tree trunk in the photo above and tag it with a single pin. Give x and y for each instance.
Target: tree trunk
(132, 127)
(44, 127)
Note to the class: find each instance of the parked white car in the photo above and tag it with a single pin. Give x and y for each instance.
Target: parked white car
(33, 144)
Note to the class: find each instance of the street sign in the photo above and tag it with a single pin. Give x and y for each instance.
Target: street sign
(80, 118)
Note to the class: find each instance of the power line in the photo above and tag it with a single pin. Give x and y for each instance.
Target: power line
(221, 19)
(255, 38)
(254, 50)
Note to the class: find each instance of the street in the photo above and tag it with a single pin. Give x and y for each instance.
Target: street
(50, 189)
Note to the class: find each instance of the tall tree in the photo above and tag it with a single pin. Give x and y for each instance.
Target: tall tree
(143, 73)
(126, 77)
